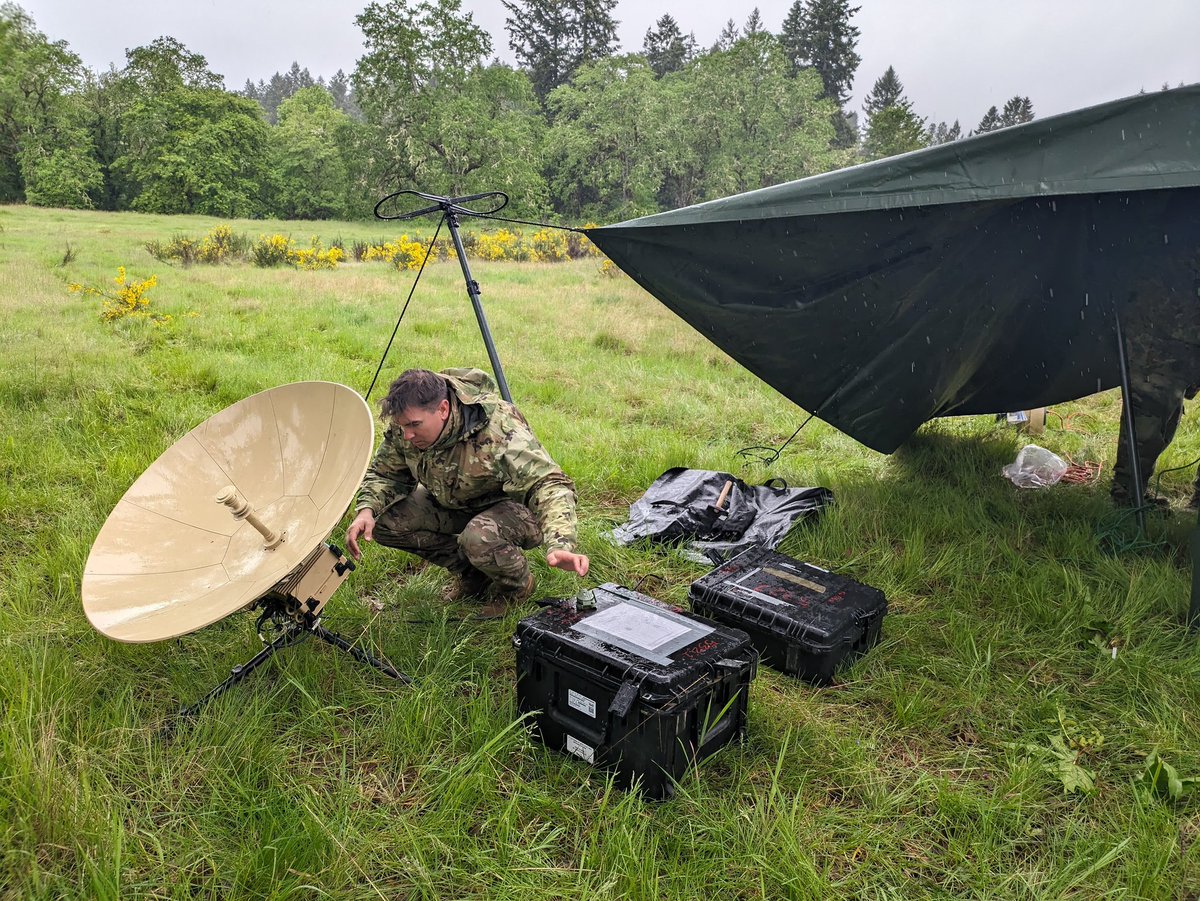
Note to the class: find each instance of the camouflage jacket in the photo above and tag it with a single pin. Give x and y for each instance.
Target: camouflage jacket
(486, 454)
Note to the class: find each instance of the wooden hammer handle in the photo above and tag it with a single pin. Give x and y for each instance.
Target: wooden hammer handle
(724, 496)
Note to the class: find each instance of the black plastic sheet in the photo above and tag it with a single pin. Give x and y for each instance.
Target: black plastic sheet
(679, 508)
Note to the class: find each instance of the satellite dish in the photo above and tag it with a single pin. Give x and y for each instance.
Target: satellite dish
(228, 512)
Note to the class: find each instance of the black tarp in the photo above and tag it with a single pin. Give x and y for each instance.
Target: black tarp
(977, 276)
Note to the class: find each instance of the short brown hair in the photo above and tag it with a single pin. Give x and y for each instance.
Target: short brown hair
(415, 388)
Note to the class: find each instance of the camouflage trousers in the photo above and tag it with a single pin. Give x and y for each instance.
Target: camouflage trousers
(1157, 399)
(470, 545)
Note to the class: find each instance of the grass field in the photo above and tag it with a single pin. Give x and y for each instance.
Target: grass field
(937, 767)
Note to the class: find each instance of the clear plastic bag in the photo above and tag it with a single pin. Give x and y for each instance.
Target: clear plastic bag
(1035, 467)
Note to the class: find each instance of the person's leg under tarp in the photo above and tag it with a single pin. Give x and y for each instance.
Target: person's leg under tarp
(1157, 400)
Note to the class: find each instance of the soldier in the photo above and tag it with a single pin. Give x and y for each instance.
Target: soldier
(1157, 408)
(1162, 340)
(461, 481)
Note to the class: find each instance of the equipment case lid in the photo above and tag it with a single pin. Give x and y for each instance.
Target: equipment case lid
(630, 637)
(798, 600)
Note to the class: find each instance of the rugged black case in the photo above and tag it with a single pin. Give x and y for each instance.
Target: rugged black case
(645, 720)
(804, 621)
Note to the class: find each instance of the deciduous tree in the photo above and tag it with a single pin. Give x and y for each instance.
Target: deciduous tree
(45, 150)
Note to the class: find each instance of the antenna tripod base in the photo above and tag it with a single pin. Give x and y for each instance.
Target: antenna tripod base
(292, 633)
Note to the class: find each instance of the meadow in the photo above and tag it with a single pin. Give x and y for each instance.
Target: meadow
(1012, 736)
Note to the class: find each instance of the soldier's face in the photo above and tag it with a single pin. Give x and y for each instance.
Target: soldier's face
(422, 427)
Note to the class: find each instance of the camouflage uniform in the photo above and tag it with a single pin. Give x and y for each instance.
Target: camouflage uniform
(477, 497)
(1162, 335)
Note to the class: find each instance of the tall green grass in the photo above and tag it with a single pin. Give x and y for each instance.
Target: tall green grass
(927, 771)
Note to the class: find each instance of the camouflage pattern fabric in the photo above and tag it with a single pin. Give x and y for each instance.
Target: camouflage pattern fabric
(487, 454)
(1162, 331)
(476, 547)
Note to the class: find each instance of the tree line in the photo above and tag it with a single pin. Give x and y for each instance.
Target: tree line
(577, 130)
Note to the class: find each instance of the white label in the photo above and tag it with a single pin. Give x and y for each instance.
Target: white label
(636, 625)
(582, 703)
(579, 749)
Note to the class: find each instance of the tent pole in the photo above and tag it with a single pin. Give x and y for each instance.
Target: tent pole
(1135, 467)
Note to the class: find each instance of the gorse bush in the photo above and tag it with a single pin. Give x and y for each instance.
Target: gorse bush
(222, 244)
(128, 300)
(405, 252)
(278, 250)
(315, 256)
(178, 249)
(271, 250)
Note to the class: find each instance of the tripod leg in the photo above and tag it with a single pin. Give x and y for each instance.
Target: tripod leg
(359, 654)
(237, 674)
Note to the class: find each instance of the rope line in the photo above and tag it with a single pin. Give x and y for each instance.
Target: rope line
(416, 281)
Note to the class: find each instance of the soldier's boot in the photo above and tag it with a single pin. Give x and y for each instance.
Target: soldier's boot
(469, 585)
(499, 603)
(493, 543)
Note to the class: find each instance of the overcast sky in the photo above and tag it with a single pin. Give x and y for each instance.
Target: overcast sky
(955, 57)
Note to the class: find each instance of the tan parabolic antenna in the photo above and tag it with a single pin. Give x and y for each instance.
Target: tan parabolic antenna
(173, 556)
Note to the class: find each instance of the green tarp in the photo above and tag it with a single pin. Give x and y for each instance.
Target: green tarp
(978, 276)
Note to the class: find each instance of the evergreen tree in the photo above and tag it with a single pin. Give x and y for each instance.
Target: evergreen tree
(753, 24)
(989, 122)
(596, 27)
(892, 126)
(941, 133)
(886, 92)
(1017, 110)
(666, 48)
(552, 38)
(817, 34)
(343, 95)
(728, 37)
(282, 85)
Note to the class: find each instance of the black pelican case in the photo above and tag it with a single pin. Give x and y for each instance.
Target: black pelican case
(633, 686)
(804, 621)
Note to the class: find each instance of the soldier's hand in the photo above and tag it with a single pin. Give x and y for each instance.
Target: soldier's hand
(363, 525)
(565, 560)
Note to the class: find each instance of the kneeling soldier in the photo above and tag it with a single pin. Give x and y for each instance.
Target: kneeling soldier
(461, 481)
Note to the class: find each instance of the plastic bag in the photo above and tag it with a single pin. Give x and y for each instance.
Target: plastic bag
(1035, 467)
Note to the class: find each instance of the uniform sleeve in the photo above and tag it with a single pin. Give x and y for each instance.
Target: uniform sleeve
(530, 475)
(388, 479)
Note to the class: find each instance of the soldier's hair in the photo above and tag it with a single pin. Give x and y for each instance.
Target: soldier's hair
(415, 388)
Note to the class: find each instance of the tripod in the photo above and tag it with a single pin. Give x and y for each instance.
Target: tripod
(451, 209)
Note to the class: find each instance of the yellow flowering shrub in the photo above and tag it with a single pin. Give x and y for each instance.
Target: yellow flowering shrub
(127, 300)
(549, 246)
(219, 245)
(498, 245)
(271, 250)
(405, 252)
(315, 256)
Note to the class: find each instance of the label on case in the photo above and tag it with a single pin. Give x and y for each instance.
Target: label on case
(579, 749)
(582, 703)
